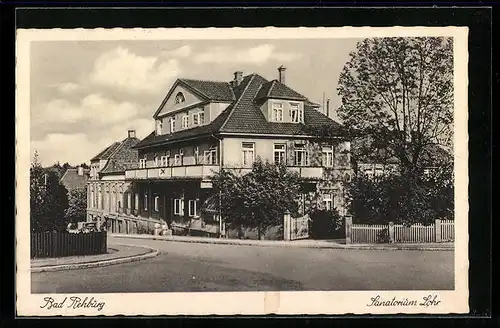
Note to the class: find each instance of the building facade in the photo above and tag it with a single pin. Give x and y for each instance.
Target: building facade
(202, 127)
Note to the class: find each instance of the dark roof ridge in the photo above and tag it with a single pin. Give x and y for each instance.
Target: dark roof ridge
(238, 100)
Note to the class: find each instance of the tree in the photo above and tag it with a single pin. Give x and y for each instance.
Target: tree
(48, 199)
(259, 198)
(398, 94)
(77, 205)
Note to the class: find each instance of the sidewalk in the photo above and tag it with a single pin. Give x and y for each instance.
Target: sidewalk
(116, 254)
(304, 243)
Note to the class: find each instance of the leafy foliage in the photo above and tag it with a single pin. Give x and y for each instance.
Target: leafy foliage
(326, 224)
(398, 94)
(401, 199)
(259, 198)
(77, 207)
(48, 199)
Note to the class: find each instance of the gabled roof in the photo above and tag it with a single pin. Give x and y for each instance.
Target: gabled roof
(72, 180)
(244, 115)
(106, 153)
(277, 90)
(123, 158)
(212, 90)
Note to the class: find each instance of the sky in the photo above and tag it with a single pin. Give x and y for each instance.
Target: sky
(85, 95)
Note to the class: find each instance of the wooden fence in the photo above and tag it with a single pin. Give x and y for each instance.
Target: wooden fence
(59, 244)
(440, 231)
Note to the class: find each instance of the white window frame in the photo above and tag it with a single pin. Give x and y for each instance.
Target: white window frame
(179, 98)
(157, 161)
(178, 206)
(157, 203)
(328, 201)
(210, 156)
(328, 156)
(142, 163)
(305, 156)
(244, 150)
(277, 112)
(193, 202)
(185, 121)
(281, 152)
(159, 127)
(164, 161)
(172, 124)
(299, 117)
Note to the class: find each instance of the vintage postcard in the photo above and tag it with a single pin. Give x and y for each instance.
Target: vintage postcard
(242, 171)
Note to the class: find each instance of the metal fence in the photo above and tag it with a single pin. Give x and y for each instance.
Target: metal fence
(59, 244)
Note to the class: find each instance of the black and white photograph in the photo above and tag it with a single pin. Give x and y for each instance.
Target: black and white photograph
(242, 171)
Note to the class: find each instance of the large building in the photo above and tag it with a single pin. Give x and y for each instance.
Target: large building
(203, 127)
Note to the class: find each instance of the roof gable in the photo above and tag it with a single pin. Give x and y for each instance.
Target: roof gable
(106, 153)
(72, 180)
(277, 90)
(123, 158)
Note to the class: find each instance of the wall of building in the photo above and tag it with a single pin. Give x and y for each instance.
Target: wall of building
(170, 104)
(188, 150)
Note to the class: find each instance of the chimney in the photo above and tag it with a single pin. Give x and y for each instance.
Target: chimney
(131, 133)
(281, 74)
(328, 107)
(80, 171)
(238, 77)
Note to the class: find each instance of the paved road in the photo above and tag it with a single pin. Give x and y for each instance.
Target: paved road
(193, 267)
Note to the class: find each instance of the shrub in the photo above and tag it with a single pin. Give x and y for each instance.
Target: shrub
(326, 224)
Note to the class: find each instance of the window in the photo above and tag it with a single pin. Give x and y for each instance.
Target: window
(178, 206)
(301, 157)
(157, 203)
(142, 163)
(185, 121)
(328, 156)
(136, 201)
(277, 112)
(296, 114)
(172, 124)
(178, 157)
(157, 161)
(347, 177)
(164, 161)
(193, 208)
(211, 155)
(129, 201)
(328, 201)
(196, 152)
(379, 172)
(248, 153)
(369, 172)
(179, 98)
(145, 201)
(279, 153)
(159, 127)
(198, 118)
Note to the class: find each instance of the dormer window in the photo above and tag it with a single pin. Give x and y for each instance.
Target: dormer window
(159, 127)
(179, 98)
(185, 121)
(296, 113)
(198, 118)
(172, 124)
(277, 112)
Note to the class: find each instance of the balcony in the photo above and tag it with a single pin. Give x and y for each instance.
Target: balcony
(172, 172)
(305, 172)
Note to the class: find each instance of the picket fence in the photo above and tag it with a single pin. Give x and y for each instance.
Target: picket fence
(59, 244)
(440, 231)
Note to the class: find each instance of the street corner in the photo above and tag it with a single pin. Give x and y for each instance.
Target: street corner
(117, 254)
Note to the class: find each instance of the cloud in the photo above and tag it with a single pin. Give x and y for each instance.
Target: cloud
(183, 51)
(61, 147)
(121, 69)
(93, 107)
(67, 87)
(255, 55)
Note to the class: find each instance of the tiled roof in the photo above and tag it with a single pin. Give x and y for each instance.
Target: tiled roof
(106, 152)
(213, 90)
(71, 180)
(244, 114)
(277, 90)
(123, 158)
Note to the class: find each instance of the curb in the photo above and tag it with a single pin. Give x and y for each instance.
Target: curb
(278, 244)
(150, 254)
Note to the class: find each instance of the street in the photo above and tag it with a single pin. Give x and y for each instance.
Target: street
(191, 267)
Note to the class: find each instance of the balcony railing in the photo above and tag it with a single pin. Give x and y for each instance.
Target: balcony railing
(172, 172)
